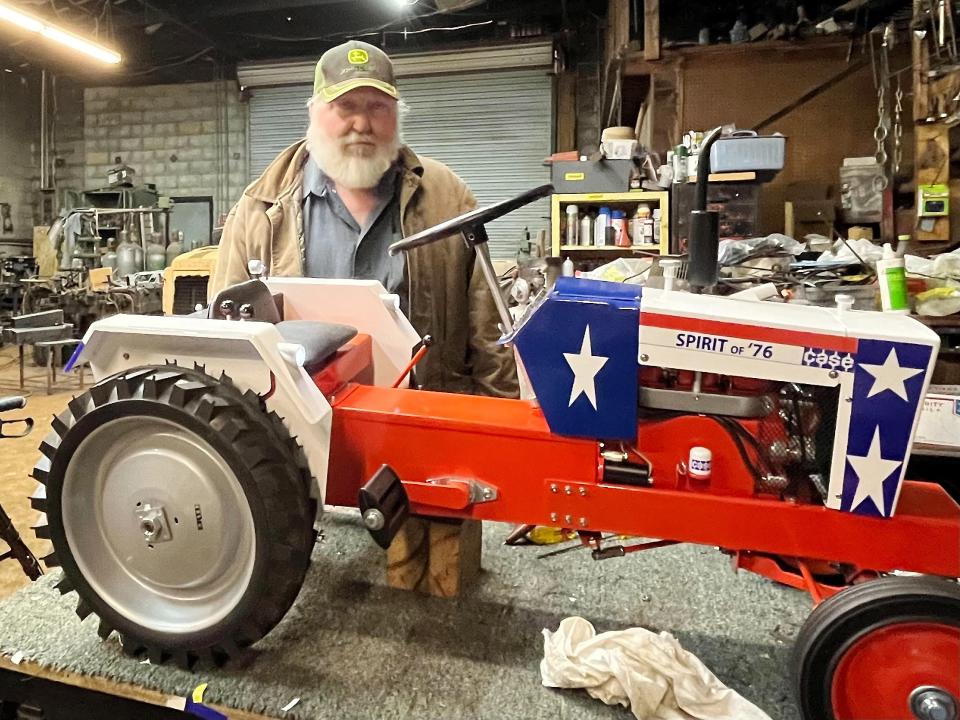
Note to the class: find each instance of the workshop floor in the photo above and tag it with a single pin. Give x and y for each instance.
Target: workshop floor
(18, 456)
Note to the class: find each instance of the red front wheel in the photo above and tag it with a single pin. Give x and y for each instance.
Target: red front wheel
(888, 649)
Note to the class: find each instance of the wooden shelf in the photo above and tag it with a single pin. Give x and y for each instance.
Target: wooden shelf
(650, 247)
(727, 177)
(659, 199)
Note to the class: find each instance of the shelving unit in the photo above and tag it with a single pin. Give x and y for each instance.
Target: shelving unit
(626, 201)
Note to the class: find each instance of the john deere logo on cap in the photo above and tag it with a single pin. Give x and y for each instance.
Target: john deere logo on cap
(358, 57)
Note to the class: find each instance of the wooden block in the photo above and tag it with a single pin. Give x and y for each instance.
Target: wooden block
(408, 555)
(433, 556)
(100, 279)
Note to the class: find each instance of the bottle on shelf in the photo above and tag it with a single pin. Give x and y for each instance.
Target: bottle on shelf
(573, 225)
(586, 229)
(657, 216)
(643, 225)
(600, 228)
(891, 275)
(567, 268)
(621, 238)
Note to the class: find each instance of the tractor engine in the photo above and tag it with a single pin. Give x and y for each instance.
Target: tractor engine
(785, 431)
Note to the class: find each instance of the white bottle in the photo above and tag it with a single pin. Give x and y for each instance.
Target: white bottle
(573, 225)
(586, 229)
(567, 268)
(600, 227)
(892, 278)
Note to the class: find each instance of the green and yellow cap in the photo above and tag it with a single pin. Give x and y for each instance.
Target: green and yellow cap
(352, 65)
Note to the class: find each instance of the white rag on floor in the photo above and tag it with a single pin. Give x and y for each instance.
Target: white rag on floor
(649, 673)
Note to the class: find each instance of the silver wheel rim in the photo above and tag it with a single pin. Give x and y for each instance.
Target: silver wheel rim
(180, 584)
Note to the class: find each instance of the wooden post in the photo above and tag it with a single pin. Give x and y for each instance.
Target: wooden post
(433, 556)
(651, 29)
(618, 28)
(566, 138)
(932, 139)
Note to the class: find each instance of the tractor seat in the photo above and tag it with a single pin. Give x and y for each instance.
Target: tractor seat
(320, 340)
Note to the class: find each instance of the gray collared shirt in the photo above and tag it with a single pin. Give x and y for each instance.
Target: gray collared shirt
(337, 246)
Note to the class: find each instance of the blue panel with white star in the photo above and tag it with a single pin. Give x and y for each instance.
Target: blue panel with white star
(887, 387)
(580, 350)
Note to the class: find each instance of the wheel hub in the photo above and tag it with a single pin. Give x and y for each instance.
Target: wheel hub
(153, 524)
(933, 703)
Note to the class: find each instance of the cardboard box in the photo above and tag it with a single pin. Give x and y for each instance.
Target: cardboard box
(940, 421)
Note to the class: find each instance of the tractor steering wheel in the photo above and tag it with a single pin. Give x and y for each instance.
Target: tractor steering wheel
(473, 220)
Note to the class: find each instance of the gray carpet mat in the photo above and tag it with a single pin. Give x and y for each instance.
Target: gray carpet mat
(353, 648)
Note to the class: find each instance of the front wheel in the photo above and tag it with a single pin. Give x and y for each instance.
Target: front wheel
(179, 510)
(887, 649)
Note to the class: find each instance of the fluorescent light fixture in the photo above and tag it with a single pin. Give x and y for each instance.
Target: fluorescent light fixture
(52, 32)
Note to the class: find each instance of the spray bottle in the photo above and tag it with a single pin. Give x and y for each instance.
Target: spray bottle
(892, 277)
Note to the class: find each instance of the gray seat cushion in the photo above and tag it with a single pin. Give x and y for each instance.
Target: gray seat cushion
(320, 339)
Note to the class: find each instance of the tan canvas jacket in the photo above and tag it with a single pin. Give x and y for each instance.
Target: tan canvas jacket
(448, 298)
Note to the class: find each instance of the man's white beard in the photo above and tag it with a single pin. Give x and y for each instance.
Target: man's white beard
(355, 167)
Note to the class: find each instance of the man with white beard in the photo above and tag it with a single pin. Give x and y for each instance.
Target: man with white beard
(329, 206)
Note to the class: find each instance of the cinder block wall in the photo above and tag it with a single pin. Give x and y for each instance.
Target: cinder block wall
(19, 156)
(188, 139)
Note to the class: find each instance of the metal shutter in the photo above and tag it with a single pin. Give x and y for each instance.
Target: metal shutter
(492, 128)
(278, 118)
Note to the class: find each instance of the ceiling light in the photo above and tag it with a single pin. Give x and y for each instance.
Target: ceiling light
(52, 32)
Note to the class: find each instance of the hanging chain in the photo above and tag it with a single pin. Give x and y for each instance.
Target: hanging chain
(897, 129)
(882, 131)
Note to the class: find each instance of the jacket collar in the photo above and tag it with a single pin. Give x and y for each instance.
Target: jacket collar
(285, 173)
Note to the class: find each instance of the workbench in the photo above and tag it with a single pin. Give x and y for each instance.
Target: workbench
(66, 695)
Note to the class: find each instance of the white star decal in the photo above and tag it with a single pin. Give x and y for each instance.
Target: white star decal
(871, 471)
(890, 376)
(585, 366)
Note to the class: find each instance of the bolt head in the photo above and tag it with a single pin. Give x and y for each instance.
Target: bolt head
(568, 519)
(583, 522)
(568, 490)
(374, 519)
(583, 492)
(487, 494)
(553, 487)
(553, 517)
(644, 357)
(933, 703)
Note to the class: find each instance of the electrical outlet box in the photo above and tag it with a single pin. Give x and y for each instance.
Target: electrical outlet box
(933, 201)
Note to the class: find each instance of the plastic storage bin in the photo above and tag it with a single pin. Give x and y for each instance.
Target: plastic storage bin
(748, 152)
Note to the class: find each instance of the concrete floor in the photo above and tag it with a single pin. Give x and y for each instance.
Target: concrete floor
(19, 455)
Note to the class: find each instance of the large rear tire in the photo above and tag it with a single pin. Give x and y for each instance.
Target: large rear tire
(179, 510)
(887, 649)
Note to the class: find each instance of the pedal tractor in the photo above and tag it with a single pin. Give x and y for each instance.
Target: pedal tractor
(181, 491)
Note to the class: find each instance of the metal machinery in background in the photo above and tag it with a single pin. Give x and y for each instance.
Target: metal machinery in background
(186, 280)
(14, 270)
(83, 303)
